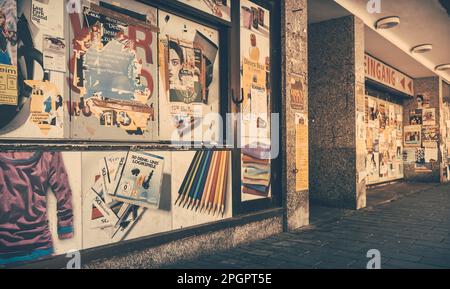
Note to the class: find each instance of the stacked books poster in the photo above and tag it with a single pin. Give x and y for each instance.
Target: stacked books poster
(41, 205)
(256, 106)
(201, 187)
(256, 171)
(126, 196)
(113, 70)
(34, 100)
(189, 80)
(218, 8)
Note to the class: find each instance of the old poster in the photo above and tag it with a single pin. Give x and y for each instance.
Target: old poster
(8, 53)
(415, 117)
(46, 15)
(430, 133)
(54, 53)
(413, 135)
(114, 73)
(41, 111)
(301, 152)
(298, 100)
(189, 80)
(429, 116)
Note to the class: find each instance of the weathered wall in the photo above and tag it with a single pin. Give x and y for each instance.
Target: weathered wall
(294, 66)
(190, 248)
(336, 65)
(431, 87)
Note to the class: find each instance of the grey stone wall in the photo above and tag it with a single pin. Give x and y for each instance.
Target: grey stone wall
(190, 248)
(336, 64)
(429, 86)
(294, 65)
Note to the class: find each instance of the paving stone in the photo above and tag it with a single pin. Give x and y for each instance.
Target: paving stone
(412, 232)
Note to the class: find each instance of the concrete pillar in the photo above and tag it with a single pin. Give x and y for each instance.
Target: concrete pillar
(431, 89)
(294, 67)
(336, 91)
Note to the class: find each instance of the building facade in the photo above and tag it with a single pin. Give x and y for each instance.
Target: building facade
(142, 133)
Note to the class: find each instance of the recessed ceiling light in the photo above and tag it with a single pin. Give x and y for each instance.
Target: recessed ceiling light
(422, 48)
(443, 67)
(387, 22)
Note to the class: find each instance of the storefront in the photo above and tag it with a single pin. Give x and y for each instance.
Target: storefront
(147, 124)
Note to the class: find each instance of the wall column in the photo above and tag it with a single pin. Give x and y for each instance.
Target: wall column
(294, 78)
(336, 93)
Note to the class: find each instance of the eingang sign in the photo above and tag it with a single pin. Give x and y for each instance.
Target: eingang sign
(384, 74)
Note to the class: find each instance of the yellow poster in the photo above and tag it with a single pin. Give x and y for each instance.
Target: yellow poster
(253, 76)
(301, 152)
(8, 85)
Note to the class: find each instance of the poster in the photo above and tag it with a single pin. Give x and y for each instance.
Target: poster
(301, 152)
(8, 85)
(189, 80)
(218, 8)
(46, 15)
(360, 125)
(114, 72)
(122, 199)
(45, 218)
(429, 116)
(208, 197)
(413, 135)
(54, 50)
(41, 109)
(430, 133)
(416, 117)
(8, 53)
(298, 100)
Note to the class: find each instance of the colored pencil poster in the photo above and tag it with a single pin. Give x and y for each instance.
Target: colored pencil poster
(201, 187)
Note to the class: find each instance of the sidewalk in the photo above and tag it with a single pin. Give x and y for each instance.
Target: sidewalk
(411, 229)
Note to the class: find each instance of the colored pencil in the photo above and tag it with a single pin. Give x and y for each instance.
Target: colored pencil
(195, 180)
(202, 180)
(191, 178)
(187, 177)
(214, 183)
(219, 187)
(207, 188)
(225, 188)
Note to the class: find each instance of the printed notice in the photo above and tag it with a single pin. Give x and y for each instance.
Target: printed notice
(301, 152)
(8, 85)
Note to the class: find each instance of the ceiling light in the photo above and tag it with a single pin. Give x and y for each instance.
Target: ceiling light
(387, 22)
(423, 48)
(443, 67)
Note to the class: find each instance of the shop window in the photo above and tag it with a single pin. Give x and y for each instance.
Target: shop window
(142, 73)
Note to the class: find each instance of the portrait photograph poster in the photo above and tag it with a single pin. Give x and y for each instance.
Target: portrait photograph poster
(189, 80)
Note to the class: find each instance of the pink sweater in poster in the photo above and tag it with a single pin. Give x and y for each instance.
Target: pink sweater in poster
(25, 179)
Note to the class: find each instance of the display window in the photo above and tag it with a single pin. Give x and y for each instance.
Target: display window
(141, 77)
